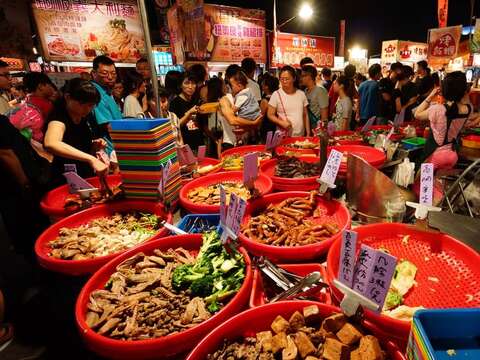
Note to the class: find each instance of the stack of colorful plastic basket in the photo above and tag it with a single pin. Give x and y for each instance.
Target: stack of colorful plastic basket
(143, 147)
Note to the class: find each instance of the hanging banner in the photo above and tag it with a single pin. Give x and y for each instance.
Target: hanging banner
(193, 28)
(399, 50)
(442, 13)
(176, 35)
(73, 30)
(475, 42)
(14, 64)
(291, 48)
(234, 33)
(15, 29)
(443, 43)
(341, 48)
(389, 51)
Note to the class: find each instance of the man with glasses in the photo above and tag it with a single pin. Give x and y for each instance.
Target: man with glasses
(104, 76)
(5, 85)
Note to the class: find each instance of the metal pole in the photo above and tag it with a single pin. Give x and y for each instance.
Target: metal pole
(148, 44)
(274, 57)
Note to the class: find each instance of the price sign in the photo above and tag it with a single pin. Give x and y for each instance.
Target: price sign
(201, 153)
(368, 124)
(268, 141)
(390, 133)
(223, 206)
(347, 257)
(426, 184)
(103, 157)
(164, 178)
(76, 182)
(330, 171)
(277, 138)
(70, 168)
(363, 269)
(185, 155)
(381, 277)
(237, 216)
(399, 118)
(113, 157)
(250, 169)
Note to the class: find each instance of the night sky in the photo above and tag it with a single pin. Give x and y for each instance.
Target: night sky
(368, 22)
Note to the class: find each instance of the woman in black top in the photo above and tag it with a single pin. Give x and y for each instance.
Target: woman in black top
(72, 135)
(405, 93)
(185, 108)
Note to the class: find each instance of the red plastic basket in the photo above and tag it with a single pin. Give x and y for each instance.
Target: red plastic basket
(53, 202)
(373, 156)
(88, 266)
(260, 319)
(263, 184)
(436, 255)
(163, 347)
(347, 142)
(332, 209)
(258, 297)
(287, 145)
(281, 183)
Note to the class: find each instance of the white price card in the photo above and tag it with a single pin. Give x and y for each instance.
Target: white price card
(76, 182)
(201, 153)
(347, 257)
(369, 123)
(426, 184)
(330, 171)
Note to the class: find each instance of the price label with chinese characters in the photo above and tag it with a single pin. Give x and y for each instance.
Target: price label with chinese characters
(70, 168)
(268, 141)
(347, 257)
(426, 184)
(381, 277)
(201, 153)
(223, 206)
(277, 138)
(330, 171)
(237, 217)
(75, 182)
(164, 178)
(185, 155)
(390, 133)
(363, 269)
(250, 169)
(369, 123)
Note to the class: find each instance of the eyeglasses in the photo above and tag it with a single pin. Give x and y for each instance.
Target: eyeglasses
(6, 75)
(285, 79)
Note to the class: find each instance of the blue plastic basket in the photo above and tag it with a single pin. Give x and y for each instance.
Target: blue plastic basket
(136, 124)
(445, 334)
(187, 221)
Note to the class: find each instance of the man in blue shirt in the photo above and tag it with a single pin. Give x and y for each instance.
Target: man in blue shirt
(104, 76)
(369, 94)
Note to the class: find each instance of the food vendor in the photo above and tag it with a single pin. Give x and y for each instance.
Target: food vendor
(72, 134)
(446, 120)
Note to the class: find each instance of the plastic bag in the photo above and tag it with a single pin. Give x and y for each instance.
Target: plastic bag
(404, 173)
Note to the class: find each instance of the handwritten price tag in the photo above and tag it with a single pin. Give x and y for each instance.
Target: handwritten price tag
(369, 123)
(381, 277)
(390, 133)
(330, 171)
(347, 257)
(201, 153)
(76, 182)
(223, 206)
(164, 178)
(250, 169)
(70, 168)
(399, 118)
(237, 217)
(426, 184)
(363, 269)
(268, 141)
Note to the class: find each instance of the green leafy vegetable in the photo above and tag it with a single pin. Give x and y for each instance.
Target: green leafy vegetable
(216, 274)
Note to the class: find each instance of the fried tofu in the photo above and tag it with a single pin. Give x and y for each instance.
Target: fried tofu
(291, 351)
(264, 338)
(279, 342)
(280, 325)
(335, 350)
(311, 358)
(370, 349)
(304, 345)
(355, 355)
(311, 314)
(334, 322)
(349, 334)
(297, 321)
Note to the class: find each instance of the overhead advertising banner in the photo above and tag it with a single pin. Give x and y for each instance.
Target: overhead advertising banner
(14, 64)
(234, 33)
(399, 50)
(15, 29)
(291, 48)
(475, 43)
(443, 43)
(176, 35)
(442, 10)
(72, 30)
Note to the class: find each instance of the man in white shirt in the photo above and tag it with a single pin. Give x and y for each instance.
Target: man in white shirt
(249, 66)
(5, 85)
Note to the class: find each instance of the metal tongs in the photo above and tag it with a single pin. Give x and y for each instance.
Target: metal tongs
(292, 284)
